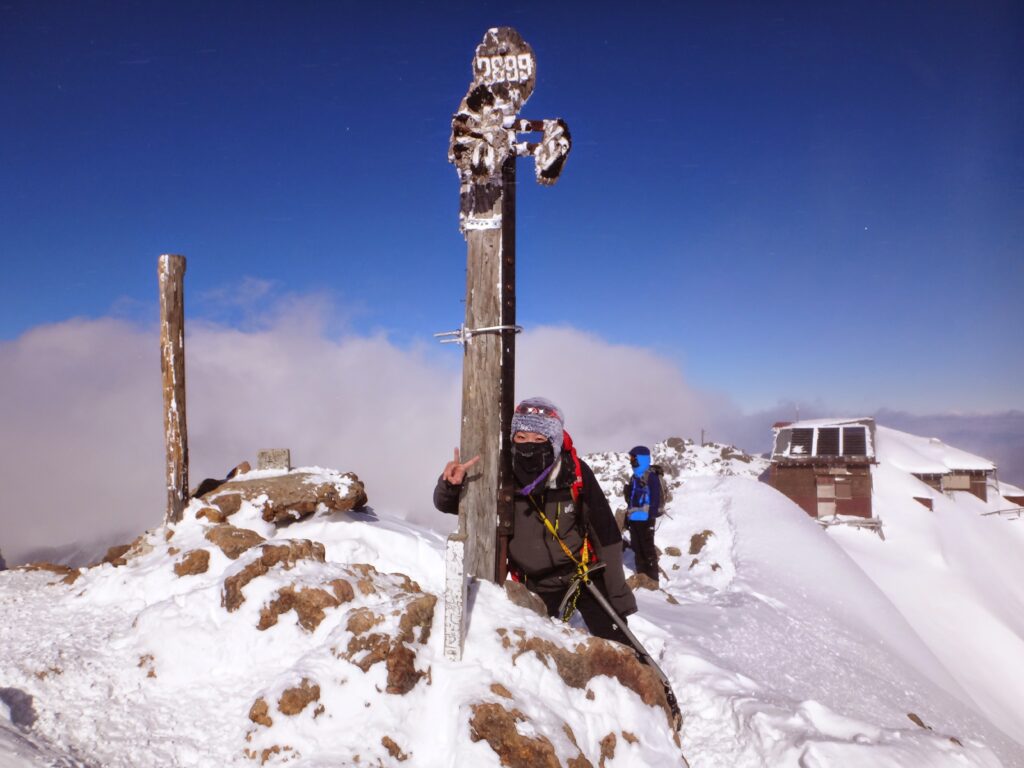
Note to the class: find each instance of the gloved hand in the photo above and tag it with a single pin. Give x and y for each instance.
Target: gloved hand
(637, 515)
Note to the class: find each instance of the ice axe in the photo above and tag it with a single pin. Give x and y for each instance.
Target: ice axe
(638, 647)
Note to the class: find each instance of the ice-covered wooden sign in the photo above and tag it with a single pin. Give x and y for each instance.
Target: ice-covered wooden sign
(484, 127)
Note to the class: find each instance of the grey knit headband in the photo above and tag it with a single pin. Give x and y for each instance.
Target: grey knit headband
(536, 414)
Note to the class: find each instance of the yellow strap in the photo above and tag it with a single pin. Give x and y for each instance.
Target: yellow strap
(581, 564)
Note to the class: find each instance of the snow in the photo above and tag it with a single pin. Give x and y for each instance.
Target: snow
(922, 455)
(786, 644)
(957, 576)
(812, 423)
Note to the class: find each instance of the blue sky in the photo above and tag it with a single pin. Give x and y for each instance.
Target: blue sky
(797, 201)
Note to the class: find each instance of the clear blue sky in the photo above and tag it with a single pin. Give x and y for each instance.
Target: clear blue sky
(796, 200)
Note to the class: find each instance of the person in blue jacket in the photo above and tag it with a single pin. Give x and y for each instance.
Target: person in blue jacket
(643, 506)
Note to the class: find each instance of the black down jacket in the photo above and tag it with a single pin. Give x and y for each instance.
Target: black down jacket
(535, 553)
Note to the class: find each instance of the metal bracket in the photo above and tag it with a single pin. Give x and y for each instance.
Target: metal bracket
(463, 335)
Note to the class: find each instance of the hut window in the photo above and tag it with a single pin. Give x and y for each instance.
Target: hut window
(854, 441)
(956, 482)
(803, 440)
(782, 442)
(828, 441)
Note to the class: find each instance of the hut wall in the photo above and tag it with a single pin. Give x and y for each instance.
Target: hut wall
(798, 483)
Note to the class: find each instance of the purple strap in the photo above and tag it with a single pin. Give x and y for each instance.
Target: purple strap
(529, 489)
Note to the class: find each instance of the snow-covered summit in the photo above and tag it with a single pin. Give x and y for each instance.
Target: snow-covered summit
(252, 640)
(679, 460)
(238, 638)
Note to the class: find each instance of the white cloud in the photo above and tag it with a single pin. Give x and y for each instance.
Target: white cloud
(82, 455)
(613, 396)
(80, 404)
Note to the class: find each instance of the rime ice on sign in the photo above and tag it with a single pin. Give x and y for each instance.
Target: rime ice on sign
(484, 128)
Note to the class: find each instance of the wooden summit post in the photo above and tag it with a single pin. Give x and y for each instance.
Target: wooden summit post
(483, 149)
(171, 272)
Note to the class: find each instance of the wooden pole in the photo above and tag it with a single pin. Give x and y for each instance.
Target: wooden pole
(506, 483)
(484, 148)
(488, 376)
(171, 273)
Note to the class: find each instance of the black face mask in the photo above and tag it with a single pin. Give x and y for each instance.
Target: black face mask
(530, 459)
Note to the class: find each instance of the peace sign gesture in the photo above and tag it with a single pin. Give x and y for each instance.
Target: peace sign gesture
(455, 472)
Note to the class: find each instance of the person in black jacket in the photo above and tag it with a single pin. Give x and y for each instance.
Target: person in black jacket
(559, 511)
(643, 506)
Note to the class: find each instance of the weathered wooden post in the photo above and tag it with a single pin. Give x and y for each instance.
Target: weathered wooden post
(483, 148)
(171, 272)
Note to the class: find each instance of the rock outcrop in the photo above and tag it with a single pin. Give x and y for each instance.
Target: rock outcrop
(284, 498)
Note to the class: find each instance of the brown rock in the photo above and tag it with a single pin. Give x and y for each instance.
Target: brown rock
(195, 562)
(600, 657)
(362, 620)
(401, 666)
(294, 700)
(240, 469)
(289, 497)
(607, 749)
(270, 555)
(259, 713)
(641, 581)
(393, 749)
(524, 598)
(366, 649)
(146, 662)
(673, 552)
(580, 761)
(343, 590)
(227, 503)
(370, 649)
(70, 574)
(500, 690)
(916, 720)
(497, 726)
(630, 737)
(308, 603)
(233, 541)
(418, 614)
(698, 540)
(116, 555)
(213, 514)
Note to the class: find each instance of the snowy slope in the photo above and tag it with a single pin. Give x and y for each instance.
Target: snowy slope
(782, 652)
(955, 573)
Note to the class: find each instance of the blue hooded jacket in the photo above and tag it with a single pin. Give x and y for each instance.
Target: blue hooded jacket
(643, 497)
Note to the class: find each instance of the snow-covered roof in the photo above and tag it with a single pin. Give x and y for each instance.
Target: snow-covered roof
(811, 423)
(925, 455)
(825, 439)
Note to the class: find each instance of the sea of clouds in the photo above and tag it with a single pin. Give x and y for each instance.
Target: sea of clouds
(81, 460)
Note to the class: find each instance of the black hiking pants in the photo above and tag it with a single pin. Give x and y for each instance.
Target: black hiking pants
(641, 539)
(598, 622)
